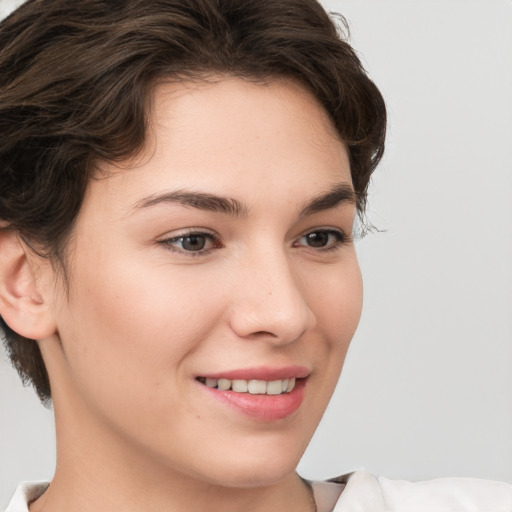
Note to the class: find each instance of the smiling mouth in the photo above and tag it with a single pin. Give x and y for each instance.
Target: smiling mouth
(252, 387)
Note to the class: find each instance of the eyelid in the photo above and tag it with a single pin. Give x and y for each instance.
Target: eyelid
(168, 240)
(342, 238)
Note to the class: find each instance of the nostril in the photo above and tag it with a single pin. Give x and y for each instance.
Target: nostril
(264, 333)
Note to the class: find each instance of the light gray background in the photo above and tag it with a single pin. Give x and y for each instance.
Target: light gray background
(427, 386)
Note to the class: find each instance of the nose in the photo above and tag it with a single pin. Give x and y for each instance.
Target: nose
(270, 300)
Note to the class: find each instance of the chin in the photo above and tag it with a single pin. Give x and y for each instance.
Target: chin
(257, 469)
(260, 458)
(268, 474)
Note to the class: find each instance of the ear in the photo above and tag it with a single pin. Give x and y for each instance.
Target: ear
(21, 304)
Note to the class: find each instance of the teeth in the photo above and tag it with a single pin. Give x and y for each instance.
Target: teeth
(211, 383)
(274, 387)
(240, 386)
(257, 387)
(224, 384)
(254, 387)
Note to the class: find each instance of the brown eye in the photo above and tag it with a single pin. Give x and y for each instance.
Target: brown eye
(193, 242)
(196, 244)
(317, 239)
(323, 239)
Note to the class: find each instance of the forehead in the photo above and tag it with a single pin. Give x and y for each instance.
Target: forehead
(233, 137)
(234, 98)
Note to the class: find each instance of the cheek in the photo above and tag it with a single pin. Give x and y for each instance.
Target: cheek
(127, 325)
(338, 310)
(338, 304)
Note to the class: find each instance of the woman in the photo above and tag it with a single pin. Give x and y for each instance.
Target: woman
(179, 182)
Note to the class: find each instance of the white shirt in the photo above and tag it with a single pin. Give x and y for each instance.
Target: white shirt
(363, 492)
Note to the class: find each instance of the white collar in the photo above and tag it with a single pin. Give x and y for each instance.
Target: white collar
(25, 494)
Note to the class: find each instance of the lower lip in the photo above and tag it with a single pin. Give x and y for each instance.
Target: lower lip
(262, 407)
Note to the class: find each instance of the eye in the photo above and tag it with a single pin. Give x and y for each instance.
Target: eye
(195, 243)
(323, 239)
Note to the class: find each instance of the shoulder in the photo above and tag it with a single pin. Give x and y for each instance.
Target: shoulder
(25, 493)
(363, 491)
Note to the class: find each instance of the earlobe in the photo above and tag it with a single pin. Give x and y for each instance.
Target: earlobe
(22, 306)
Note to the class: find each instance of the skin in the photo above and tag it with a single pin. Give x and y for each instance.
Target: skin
(142, 316)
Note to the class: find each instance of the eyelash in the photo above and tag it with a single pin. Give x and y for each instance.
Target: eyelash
(215, 241)
(340, 239)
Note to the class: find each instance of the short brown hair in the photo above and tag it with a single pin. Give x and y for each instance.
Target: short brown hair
(75, 77)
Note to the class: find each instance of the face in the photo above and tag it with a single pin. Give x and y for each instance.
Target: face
(214, 287)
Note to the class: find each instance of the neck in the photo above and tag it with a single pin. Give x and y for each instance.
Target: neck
(90, 492)
(99, 473)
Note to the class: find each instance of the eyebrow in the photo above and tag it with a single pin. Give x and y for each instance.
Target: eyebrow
(342, 193)
(338, 194)
(199, 200)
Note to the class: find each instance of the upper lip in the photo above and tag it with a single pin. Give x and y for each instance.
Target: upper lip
(261, 373)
